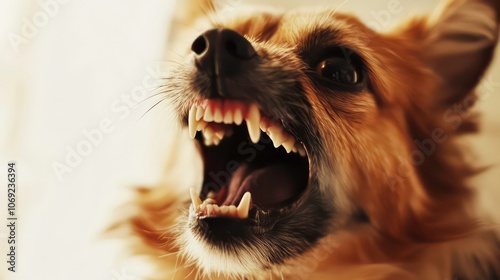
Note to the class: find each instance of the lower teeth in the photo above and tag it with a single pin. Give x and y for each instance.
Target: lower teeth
(210, 208)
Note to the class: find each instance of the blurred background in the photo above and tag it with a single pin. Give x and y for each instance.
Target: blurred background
(75, 77)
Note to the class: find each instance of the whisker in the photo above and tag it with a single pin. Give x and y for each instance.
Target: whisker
(190, 273)
(339, 6)
(175, 268)
(145, 99)
(156, 104)
(168, 254)
(168, 60)
(177, 54)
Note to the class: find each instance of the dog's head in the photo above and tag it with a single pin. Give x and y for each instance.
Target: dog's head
(309, 122)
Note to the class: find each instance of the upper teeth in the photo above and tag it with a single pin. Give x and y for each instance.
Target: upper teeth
(222, 112)
(209, 207)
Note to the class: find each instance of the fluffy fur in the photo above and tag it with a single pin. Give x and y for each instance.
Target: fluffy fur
(389, 151)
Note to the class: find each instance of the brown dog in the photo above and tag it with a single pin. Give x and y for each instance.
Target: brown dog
(328, 151)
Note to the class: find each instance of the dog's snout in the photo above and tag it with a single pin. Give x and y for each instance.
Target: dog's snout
(223, 52)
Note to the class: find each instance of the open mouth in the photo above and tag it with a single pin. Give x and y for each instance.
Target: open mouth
(248, 175)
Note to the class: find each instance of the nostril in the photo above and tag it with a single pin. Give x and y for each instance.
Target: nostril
(199, 45)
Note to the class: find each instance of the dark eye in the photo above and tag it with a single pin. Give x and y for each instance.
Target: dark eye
(339, 70)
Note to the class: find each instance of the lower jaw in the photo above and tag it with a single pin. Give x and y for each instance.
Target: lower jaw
(308, 210)
(300, 229)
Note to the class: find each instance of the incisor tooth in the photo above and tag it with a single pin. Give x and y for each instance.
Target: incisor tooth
(228, 118)
(195, 199)
(210, 209)
(199, 113)
(192, 124)
(238, 116)
(224, 209)
(232, 210)
(244, 206)
(218, 115)
(253, 122)
(216, 208)
(208, 116)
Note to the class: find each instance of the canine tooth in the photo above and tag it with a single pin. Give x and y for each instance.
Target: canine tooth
(218, 115)
(277, 135)
(289, 144)
(228, 118)
(244, 206)
(208, 116)
(238, 116)
(253, 121)
(199, 113)
(192, 122)
(216, 141)
(195, 199)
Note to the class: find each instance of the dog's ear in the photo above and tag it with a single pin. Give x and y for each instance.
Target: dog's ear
(459, 41)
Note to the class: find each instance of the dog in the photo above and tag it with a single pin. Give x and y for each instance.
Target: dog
(322, 149)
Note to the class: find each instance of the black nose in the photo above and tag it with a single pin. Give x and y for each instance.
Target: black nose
(223, 52)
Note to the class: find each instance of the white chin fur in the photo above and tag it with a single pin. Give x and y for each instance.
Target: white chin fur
(212, 260)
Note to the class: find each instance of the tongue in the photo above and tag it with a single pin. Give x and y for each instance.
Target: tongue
(270, 185)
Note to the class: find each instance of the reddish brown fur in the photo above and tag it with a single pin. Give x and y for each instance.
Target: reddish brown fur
(421, 216)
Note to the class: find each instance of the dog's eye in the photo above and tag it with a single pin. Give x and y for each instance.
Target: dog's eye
(338, 70)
